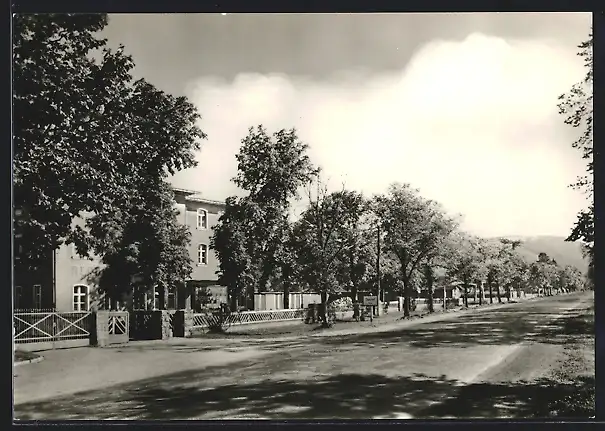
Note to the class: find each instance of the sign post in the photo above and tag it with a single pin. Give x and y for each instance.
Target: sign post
(370, 301)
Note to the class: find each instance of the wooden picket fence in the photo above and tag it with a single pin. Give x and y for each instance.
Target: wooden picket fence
(202, 320)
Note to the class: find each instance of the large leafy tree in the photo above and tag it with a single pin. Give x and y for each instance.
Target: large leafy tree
(368, 264)
(500, 264)
(327, 240)
(248, 240)
(511, 265)
(570, 278)
(544, 274)
(144, 242)
(356, 265)
(414, 228)
(577, 107)
(91, 142)
(465, 260)
(517, 273)
(250, 236)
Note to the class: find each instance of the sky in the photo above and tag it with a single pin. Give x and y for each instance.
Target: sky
(461, 106)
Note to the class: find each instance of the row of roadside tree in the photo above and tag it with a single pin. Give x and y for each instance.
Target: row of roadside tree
(344, 242)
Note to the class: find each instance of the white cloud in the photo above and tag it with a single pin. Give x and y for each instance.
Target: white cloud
(473, 124)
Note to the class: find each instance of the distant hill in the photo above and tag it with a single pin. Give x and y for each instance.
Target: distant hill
(565, 253)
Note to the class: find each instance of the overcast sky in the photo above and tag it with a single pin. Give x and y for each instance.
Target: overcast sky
(462, 106)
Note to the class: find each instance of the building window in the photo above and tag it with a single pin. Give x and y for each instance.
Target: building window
(18, 297)
(37, 297)
(202, 254)
(81, 298)
(202, 219)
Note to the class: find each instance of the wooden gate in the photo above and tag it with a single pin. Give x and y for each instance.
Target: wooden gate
(41, 330)
(118, 327)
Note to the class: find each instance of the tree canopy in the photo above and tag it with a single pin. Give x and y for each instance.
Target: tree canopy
(414, 228)
(577, 107)
(327, 239)
(250, 236)
(92, 142)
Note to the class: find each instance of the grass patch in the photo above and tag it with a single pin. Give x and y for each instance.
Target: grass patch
(21, 356)
(579, 403)
(577, 370)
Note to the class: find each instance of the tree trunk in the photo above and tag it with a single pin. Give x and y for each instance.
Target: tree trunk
(498, 293)
(323, 310)
(480, 287)
(406, 299)
(233, 294)
(250, 291)
(465, 281)
(353, 277)
(354, 298)
(286, 295)
(465, 296)
(429, 284)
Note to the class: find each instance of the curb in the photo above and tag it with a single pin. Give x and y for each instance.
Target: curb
(29, 361)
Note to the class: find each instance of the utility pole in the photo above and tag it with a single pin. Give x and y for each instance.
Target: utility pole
(378, 271)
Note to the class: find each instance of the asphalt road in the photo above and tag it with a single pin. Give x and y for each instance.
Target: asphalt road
(489, 363)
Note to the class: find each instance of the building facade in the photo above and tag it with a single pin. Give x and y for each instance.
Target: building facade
(66, 282)
(200, 215)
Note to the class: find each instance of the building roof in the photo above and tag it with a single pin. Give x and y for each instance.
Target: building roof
(199, 198)
(196, 196)
(185, 191)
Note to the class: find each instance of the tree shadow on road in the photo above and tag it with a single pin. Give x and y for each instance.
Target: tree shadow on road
(343, 396)
(494, 327)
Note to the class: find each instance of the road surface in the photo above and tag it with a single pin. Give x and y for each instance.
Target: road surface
(491, 362)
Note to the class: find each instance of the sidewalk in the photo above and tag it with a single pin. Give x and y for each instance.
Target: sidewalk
(68, 371)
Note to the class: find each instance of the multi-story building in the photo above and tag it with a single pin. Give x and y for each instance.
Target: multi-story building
(200, 214)
(67, 282)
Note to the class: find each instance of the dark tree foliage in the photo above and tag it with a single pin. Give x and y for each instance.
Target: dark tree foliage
(251, 237)
(577, 106)
(91, 142)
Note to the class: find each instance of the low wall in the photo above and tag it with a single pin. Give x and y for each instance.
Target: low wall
(52, 345)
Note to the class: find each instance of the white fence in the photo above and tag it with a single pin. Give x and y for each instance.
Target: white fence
(202, 320)
(50, 326)
(275, 301)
